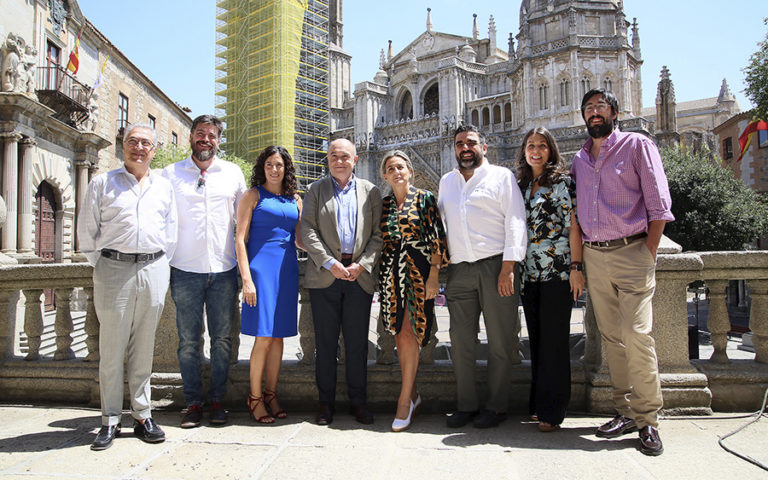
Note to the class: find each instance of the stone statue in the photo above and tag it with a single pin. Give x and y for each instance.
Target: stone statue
(30, 67)
(93, 112)
(12, 65)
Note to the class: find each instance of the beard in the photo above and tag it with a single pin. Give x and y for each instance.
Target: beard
(469, 163)
(203, 155)
(599, 131)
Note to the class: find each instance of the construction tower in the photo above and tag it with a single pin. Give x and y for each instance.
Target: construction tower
(272, 80)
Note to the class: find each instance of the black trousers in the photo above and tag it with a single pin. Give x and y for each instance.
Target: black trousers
(346, 307)
(547, 307)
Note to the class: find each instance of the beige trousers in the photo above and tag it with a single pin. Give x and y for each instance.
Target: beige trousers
(621, 283)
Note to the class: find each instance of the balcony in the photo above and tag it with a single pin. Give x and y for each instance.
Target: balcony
(62, 92)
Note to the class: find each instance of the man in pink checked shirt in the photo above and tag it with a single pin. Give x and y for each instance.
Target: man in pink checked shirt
(623, 205)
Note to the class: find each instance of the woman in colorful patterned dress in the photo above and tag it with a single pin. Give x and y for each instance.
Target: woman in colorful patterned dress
(414, 251)
(552, 277)
(265, 243)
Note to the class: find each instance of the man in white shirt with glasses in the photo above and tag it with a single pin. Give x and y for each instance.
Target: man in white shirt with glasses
(127, 231)
(204, 268)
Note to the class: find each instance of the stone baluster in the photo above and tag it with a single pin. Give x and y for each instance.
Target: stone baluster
(91, 328)
(26, 217)
(758, 318)
(7, 327)
(386, 344)
(64, 325)
(10, 189)
(306, 327)
(428, 352)
(718, 322)
(33, 322)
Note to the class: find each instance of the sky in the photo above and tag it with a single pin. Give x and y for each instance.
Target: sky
(700, 41)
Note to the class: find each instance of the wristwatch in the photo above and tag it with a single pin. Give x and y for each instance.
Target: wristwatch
(577, 266)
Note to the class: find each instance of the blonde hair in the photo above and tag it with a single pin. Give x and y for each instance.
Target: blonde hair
(391, 154)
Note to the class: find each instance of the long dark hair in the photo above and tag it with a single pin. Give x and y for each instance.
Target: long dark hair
(553, 169)
(289, 178)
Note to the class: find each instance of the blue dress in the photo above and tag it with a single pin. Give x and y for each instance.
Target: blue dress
(271, 251)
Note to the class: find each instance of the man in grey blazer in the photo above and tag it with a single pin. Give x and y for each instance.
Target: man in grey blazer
(340, 226)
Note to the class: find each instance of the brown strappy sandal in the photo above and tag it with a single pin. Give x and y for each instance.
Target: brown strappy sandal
(253, 403)
(269, 397)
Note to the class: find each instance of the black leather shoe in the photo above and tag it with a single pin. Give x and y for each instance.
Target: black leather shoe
(149, 431)
(650, 442)
(105, 436)
(324, 414)
(488, 419)
(218, 416)
(459, 419)
(193, 417)
(361, 414)
(616, 427)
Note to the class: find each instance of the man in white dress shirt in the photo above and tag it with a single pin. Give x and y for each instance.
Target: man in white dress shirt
(127, 230)
(204, 267)
(484, 217)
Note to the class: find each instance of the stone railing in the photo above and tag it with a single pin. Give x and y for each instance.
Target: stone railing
(696, 386)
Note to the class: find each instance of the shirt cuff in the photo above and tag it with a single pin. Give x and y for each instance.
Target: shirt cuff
(514, 254)
(329, 264)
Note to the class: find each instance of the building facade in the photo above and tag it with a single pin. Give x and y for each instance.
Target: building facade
(272, 79)
(58, 129)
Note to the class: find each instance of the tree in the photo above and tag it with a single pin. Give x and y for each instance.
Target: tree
(713, 209)
(757, 78)
(169, 153)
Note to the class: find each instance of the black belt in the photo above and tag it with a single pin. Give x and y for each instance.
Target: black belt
(619, 242)
(131, 257)
(346, 259)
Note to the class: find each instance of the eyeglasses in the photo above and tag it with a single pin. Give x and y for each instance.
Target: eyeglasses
(595, 107)
(135, 142)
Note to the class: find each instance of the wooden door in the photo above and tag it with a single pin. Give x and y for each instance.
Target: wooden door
(45, 233)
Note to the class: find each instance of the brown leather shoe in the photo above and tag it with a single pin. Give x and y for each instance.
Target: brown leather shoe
(616, 427)
(361, 414)
(324, 414)
(650, 442)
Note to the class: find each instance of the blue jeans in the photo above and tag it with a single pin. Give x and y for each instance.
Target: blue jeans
(218, 293)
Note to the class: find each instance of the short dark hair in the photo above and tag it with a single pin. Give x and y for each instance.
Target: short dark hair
(607, 95)
(210, 120)
(258, 176)
(469, 128)
(553, 169)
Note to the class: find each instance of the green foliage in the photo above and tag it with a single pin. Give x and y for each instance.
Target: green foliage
(168, 154)
(713, 209)
(756, 78)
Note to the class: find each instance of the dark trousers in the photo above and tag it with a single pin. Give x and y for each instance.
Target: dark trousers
(346, 307)
(547, 307)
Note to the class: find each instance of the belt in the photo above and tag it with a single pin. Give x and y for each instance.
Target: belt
(346, 259)
(131, 257)
(619, 242)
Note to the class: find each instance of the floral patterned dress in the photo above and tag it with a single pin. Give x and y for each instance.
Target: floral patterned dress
(411, 236)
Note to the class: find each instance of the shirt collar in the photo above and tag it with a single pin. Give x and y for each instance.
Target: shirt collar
(350, 184)
(133, 177)
(608, 142)
(191, 165)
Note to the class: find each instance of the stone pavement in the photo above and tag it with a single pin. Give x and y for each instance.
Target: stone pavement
(53, 443)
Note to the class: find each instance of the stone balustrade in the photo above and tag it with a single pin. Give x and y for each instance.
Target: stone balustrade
(689, 386)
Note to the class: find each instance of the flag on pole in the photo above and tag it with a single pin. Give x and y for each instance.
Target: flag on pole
(74, 57)
(746, 136)
(100, 77)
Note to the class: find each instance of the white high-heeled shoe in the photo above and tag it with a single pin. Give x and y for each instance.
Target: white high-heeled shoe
(398, 425)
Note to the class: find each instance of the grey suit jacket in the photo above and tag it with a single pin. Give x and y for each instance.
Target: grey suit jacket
(320, 233)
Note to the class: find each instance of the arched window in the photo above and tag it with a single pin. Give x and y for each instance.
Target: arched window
(496, 114)
(607, 84)
(507, 112)
(543, 97)
(432, 100)
(486, 116)
(565, 92)
(584, 86)
(406, 106)
(475, 118)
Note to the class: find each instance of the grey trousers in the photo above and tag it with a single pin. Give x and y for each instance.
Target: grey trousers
(472, 288)
(129, 300)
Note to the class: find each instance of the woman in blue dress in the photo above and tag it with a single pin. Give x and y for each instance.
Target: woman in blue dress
(552, 277)
(265, 243)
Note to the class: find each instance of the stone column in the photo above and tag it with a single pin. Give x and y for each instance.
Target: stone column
(758, 321)
(83, 176)
(7, 326)
(26, 218)
(64, 325)
(33, 322)
(10, 189)
(718, 322)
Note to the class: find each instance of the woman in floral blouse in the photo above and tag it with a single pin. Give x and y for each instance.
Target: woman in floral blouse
(552, 277)
(414, 250)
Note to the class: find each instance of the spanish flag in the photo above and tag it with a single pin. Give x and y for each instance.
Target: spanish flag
(746, 136)
(74, 57)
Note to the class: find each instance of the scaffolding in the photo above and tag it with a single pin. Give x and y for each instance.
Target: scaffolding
(272, 79)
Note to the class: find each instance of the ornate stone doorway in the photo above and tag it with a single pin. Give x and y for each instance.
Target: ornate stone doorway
(45, 232)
